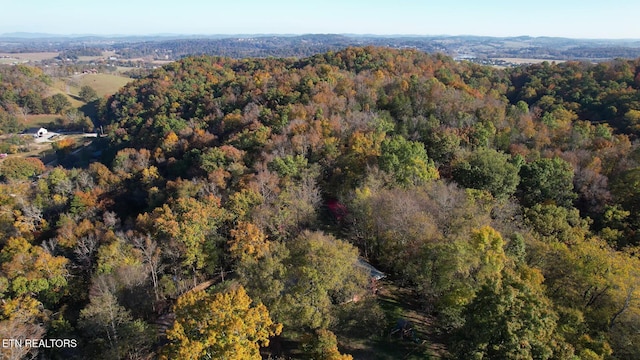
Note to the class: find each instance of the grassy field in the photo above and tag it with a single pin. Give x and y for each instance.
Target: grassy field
(103, 84)
(528, 61)
(10, 58)
(89, 58)
(61, 87)
(36, 121)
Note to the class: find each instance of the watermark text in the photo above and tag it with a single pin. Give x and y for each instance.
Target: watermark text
(38, 343)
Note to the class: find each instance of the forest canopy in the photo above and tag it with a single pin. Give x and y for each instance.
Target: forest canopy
(504, 201)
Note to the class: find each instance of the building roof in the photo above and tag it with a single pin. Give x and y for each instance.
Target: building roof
(373, 272)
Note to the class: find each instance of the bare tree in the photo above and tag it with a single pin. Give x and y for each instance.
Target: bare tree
(23, 111)
(20, 327)
(85, 181)
(151, 256)
(50, 246)
(31, 215)
(110, 219)
(85, 250)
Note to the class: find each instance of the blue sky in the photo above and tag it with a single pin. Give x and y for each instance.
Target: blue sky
(570, 18)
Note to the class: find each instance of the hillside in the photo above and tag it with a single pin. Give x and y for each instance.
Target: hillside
(501, 205)
(103, 84)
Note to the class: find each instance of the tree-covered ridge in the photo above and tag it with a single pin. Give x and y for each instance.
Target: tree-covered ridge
(358, 97)
(513, 225)
(605, 92)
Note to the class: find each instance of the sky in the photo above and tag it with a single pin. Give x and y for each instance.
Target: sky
(613, 19)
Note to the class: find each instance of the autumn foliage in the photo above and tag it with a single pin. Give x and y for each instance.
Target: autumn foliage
(501, 204)
(219, 326)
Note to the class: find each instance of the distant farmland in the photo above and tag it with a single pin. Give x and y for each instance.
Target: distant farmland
(524, 61)
(10, 58)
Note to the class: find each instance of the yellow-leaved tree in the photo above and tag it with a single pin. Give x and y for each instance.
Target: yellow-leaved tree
(219, 326)
(247, 240)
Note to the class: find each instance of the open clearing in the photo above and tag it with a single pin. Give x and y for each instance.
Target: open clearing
(43, 120)
(103, 84)
(42, 148)
(528, 61)
(383, 343)
(10, 58)
(89, 58)
(61, 87)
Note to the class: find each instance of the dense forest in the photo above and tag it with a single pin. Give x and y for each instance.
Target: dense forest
(237, 200)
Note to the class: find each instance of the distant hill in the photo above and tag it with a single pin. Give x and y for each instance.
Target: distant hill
(456, 46)
(176, 46)
(27, 35)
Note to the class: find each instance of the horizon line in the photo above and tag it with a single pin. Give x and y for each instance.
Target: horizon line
(41, 35)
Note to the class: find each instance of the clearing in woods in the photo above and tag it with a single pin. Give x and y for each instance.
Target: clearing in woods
(60, 87)
(42, 120)
(420, 340)
(103, 84)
